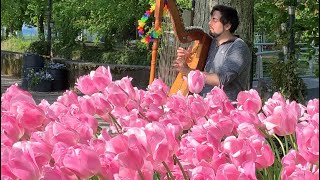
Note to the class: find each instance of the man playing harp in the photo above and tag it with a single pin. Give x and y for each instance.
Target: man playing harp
(229, 58)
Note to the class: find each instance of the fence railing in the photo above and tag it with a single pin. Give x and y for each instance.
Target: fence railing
(265, 52)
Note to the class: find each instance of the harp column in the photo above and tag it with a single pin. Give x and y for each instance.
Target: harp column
(157, 24)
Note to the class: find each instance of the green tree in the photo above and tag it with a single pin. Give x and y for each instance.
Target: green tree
(12, 15)
(268, 16)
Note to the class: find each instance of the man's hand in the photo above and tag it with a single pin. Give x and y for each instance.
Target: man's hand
(184, 53)
(180, 63)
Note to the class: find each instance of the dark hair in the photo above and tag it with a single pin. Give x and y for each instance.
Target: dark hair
(228, 15)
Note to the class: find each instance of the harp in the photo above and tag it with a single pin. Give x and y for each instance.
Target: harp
(200, 48)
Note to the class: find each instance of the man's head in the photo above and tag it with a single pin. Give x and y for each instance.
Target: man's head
(223, 19)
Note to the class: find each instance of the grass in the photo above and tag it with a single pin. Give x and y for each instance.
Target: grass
(96, 54)
(16, 44)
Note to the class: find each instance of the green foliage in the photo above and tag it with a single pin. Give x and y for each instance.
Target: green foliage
(64, 50)
(126, 55)
(285, 79)
(13, 14)
(316, 73)
(270, 14)
(34, 78)
(38, 47)
(184, 4)
(15, 44)
(307, 21)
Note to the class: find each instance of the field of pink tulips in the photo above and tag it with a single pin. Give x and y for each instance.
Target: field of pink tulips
(155, 136)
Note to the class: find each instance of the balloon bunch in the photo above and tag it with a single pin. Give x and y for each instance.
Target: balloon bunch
(152, 33)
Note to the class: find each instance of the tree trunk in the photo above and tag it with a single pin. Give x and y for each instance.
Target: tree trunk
(202, 11)
(41, 27)
(245, 12)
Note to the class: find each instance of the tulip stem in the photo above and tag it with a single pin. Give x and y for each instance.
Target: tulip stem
(274, 147)
(266, 172)
(116, 124)
(275, 136)
(291, 136)
(141, 175)
(168, 171)
(287, 145)
(185, 176)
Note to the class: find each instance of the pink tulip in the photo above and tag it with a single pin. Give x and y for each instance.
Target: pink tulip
(308, 141)
(87, 104)
(101, 77)
(13, 94)
(41, 137)
(58, 109)
(204, 152)
(197, 107)
(5, 169)
(313, 107)
(240, 151)
(130, 159)
(158, 86)
(292, 172)
(57, 132)
(109, 165)
(293, 158)
(179, 118)
(22, 162)
(222, 126)
(102, 105)
(176, 102)
(276, 100)
(201, 172)
(246, 130)
(157, 93)
(154, 113)
(241, 116)
(48, 112)
(133, 156)
(68, 98)
(82, 160)
(126, 85)
(137, 139)
(215, 133)
(265, 157)
(157, 142)
(116, 95)
(196, 81)
(210, 136)
(218, 101)
(249, 101)
(84, 125)
(11, 127)
(57, 173)
(86, 85)
(230, 171)
(126, 174)
(29, 115)
(218, 159)
(282, 119)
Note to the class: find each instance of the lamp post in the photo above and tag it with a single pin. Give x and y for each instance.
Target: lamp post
(50, 24)
(291, 12)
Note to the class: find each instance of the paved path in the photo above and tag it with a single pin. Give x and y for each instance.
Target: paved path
(7, 81)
